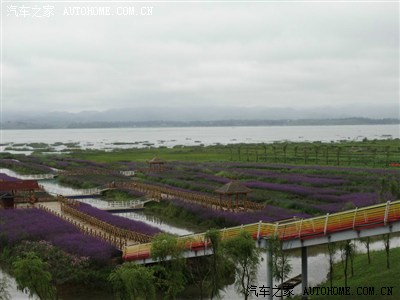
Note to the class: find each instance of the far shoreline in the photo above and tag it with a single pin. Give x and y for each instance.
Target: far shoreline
(356, 121)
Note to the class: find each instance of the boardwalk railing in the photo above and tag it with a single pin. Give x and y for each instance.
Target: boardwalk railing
(160, 191)
(39, 176)
(87, 171)
(357, 219)
(40, 199)
(68, 206)
(91, 171)
(127, 173)
(125, 204)
(115, 240)
(80, 192)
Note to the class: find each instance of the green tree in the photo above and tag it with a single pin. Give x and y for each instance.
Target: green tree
(387, 152)
(383, 190)
(265, 151)
(217, 262)
(231, 152)
(284, 148)
(386, 242)
(170, 271)
(131, 282)
(332, 247)
(280, 264)
(352, 254)
(347, 251)
(349, 156)
(30, 274)
(316, 150)
(395, 188)
(275, 153)
(338, 152)
(374, 153)
(243, 253)
(295, 151)
(165, 248)
(306, 154)
(366, 242)
(63, 267)
(327, 154)
(199, 272)
(209, 273)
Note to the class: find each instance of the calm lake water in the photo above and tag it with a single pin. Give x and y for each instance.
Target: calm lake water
(109, 138)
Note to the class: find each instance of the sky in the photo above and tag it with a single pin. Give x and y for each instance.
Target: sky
(271, 54)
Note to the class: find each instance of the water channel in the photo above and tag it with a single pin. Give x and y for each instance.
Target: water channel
(318, 260)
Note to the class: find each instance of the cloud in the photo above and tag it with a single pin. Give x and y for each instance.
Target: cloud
(227, 54)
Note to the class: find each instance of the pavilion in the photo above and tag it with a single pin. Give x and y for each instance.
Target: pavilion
(234, 190)
(11, 190)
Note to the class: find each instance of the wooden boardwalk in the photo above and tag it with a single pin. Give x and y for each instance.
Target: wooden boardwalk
(56, 208)
(78, 192)
(164, 192)
(126, 205)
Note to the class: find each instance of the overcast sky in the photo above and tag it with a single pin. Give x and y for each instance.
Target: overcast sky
(200, 54)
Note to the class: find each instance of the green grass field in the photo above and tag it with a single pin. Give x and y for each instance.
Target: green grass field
(375, 153)
(367, 278)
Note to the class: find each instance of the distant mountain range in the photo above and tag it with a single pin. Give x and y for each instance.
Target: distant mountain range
(202, 116)
(302, 122)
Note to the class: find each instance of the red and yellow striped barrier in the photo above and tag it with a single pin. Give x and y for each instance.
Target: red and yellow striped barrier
(356, 219)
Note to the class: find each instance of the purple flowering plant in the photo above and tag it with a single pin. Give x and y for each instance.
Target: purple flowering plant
(17, 225)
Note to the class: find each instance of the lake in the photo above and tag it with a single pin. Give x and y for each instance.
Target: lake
(110, 138)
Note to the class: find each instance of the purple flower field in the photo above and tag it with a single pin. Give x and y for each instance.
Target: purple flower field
(33, 224)
(29, 165)
(313, 180)
(268, 214)
(290, 188)
(117, 221)
(286, 190)
(287, 167)
(5, 177)
(294, 189)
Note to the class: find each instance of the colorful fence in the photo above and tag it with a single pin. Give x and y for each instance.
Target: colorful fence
(357, 219)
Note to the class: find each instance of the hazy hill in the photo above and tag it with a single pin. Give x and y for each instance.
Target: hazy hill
(202, 116)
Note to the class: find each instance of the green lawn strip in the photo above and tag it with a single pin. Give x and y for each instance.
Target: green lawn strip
(377, 153)
(117, 195)
(142, 155)
(375, 275)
